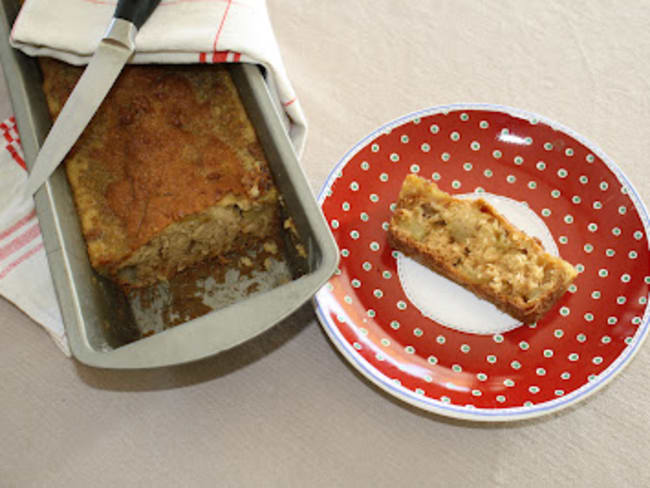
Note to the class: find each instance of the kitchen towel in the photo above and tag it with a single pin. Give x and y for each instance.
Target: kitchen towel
(178, 32)
(24, 274)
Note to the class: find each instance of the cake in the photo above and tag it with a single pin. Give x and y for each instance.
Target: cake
(168, 173)
(468, 242)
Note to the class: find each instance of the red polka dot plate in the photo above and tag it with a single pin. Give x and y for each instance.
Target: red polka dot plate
(434, 345)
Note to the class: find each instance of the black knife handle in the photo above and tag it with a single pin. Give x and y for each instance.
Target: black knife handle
(135, 11)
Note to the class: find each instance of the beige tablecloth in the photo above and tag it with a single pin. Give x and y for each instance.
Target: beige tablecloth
(285, 409)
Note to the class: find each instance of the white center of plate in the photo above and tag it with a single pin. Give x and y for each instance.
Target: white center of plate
(452, 305)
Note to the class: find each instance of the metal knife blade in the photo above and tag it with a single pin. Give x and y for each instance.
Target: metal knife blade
(111, 55)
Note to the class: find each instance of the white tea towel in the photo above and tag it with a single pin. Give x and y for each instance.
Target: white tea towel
(24, 274)
(178, 31)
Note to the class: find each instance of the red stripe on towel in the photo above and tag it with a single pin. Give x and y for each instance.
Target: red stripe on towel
(16, 157)
(20, 260)
(17, 225)
(223, 21)
(21, 241)
(219, 56)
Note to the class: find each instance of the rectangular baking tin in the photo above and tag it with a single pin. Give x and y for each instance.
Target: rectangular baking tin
(96, 314)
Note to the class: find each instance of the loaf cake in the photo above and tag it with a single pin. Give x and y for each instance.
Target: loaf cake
(471, 244)
(168, 173)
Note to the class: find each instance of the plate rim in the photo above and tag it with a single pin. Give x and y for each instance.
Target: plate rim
(463, 412)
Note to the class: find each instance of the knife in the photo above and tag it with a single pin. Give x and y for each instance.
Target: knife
(114, 50)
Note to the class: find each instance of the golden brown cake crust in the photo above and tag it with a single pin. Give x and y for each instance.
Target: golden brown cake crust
(417, 194)
(166, 143)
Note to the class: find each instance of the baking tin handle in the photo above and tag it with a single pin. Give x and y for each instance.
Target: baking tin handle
(135, 11)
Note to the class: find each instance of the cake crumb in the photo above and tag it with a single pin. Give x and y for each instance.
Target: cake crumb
(271, 247)
(301, 250)
(291, 226)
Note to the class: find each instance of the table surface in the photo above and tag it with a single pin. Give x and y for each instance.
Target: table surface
(285, 409)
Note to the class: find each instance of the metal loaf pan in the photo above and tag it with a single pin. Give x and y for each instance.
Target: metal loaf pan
(95, 313)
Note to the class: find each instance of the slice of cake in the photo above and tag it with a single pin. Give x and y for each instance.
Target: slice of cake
(168, 173)
(471, 244)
